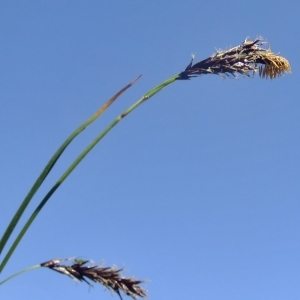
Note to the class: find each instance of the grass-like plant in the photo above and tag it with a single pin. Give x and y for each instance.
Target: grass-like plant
(246, 59)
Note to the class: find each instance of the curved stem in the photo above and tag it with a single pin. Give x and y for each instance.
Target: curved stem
(78, 160)
(51, 163)
(20, 272)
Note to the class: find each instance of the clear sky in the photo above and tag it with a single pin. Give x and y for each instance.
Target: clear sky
(196, 191)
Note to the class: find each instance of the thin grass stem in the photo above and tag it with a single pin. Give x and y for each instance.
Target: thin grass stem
(51, 163)
(20, 272)
(78, 160)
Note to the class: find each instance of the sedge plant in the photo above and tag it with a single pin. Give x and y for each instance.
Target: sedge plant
(246, 59)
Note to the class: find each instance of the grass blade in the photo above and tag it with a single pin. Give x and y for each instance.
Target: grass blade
(52, 162)
(77, 161)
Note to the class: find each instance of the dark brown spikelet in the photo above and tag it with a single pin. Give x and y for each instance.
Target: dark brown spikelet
(245, 59)
(110, 277)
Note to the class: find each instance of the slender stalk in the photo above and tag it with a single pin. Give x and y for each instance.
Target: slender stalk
(52, 162)
(78, 160)
(20, 272)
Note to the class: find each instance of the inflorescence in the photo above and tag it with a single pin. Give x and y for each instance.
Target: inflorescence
(110, 277)
(247, 58)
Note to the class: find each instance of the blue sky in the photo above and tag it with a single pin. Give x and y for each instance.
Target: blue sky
(196, 191)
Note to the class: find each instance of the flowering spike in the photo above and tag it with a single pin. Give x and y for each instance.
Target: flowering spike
(244, 59)
(109, 277)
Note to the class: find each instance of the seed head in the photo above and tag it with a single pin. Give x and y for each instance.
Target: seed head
(110, 277)
(245, 59)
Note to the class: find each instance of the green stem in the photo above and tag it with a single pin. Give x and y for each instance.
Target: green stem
(51, 163)
(20, 272)
(78, 160)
